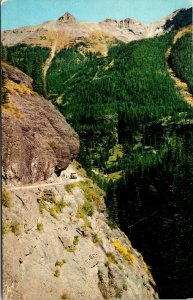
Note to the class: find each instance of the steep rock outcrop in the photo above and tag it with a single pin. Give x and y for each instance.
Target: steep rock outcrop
(137, 28)
(110, 21)
(67, 18)
(16, 75)
(37, 141)
(58, 245)
(125, 29)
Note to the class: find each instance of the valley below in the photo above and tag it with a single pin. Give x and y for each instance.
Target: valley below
(101, 160)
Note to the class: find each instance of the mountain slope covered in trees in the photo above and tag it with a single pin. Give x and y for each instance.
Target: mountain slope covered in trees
(136, 135)
(182, 61)
(29, 59)
(136, 142)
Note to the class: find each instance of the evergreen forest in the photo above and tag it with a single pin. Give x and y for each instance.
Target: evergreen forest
(29, 59)
(182, 59)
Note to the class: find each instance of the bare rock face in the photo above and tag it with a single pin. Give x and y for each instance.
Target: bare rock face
(67, 18)
(127, 28)
(16, 76)
(111, 21)
(133, 26)
(52, 254)
(37, 141)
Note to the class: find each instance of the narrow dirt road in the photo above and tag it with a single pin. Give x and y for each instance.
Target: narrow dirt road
(35, 186)
(183, 87)
(63, 180)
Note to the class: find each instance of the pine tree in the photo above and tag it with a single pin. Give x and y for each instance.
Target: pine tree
(4, 95)
(3, 52)
(37, 77)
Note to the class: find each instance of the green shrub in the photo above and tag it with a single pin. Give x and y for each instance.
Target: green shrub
(88, 208)
(69, 187)
(60, 263)
(6, 198)
(15, 227)
(5, 228)
(65, 296)
(57, 273)
(96, 239)
(71, 249)
(53, 212)
(110, 259)
(60, 205)
(76, 241)
(43, 206)
(118, 293)
(48, 197)
(40, 226)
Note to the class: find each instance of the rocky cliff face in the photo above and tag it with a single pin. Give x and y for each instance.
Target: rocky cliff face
(58, 245)
(67, 18)
(37, 141)
(66, 30)
(126, 30)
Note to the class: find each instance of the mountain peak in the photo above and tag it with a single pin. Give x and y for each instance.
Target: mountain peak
(67, 18)
(109, 21)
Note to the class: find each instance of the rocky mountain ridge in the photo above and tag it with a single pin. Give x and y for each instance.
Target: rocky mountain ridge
(67, 30)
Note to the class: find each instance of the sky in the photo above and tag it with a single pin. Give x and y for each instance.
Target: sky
(18, 13)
